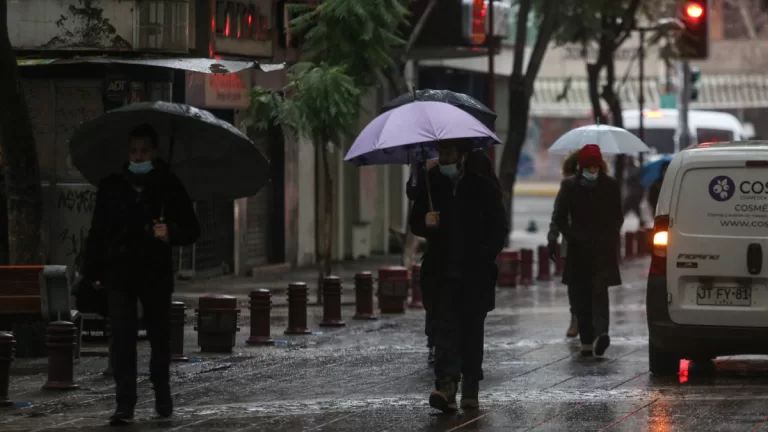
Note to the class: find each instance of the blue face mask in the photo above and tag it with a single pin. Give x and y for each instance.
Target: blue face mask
(589, 176)
(449, 170)
(140, 167)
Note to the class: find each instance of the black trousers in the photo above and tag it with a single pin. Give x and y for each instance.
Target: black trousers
(572, 299)
(123, 315)
(458, 334)
(429, 329)
(592, 310)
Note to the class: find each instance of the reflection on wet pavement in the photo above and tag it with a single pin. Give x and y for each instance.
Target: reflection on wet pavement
(373, 376)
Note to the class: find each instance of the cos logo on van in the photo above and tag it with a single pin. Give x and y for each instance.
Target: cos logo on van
(753, 187)
(722, 188)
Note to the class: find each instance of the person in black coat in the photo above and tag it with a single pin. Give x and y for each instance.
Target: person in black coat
(589, 215)
(140, 214)
(466, 227)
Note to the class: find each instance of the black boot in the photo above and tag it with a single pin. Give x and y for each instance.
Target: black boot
(444, 398)
(431, 355)
(121, 417)
(469, 391)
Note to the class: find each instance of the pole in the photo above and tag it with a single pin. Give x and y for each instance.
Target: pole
(685, 99)
(491, 71)
(641, 95)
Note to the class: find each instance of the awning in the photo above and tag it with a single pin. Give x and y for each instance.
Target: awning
(202, 65)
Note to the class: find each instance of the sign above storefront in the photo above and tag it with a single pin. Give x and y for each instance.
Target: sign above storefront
(227, 91)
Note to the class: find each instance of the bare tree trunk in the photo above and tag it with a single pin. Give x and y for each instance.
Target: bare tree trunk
(614, 105)
(519, 104)
(324, 263)
(19, 157)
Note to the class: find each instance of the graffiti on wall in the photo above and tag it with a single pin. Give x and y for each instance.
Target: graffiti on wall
(73, 207)
(84, 25)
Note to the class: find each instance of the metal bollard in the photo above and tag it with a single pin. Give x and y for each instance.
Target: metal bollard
(629, 245)
(641, 243)
(298, 296)
(364, 297)
(526, 267)
(261, 304)
(416, 301)
(178, 317)
(7, 351)
(393, 289)
(648, 242)
(559, 261)
(332, 302)
(61, 340)
(217, 323)
(544, 269)
(509, 268)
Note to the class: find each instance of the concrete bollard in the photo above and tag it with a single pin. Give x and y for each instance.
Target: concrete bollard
(364, 297)
(7, 352)
(393, 289)
(629, 245)
(647, 241)
(61, 341)
(261, 304)
(545, 274)
(217, 323)
(526, 267)
(298, 296)
(332, 302)
(178, 317)
(509, 268)
(416, 300)
(559, 261)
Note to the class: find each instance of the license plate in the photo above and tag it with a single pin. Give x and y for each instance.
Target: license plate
(708, 295)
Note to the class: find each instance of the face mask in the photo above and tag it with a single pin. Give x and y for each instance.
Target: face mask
(589, 176)
(140, 167)
(449, 170)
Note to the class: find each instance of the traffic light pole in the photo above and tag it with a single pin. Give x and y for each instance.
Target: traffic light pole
(685, 100)
(641, 95)
(491, 72)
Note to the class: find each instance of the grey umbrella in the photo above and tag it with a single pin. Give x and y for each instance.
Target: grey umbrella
(213, 159)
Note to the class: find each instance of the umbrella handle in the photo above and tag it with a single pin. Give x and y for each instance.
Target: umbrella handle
(429, 189)
(171, 145)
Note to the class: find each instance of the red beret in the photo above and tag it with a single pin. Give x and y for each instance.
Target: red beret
(590, 155)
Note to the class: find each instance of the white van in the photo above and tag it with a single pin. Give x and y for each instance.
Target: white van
(707, 293)
(659, 127)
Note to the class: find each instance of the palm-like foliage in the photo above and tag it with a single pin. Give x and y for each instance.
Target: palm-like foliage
(358, 34)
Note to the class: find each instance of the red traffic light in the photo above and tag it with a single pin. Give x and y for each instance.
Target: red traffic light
(694, 10)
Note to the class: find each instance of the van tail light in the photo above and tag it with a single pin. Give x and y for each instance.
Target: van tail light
(660, 240)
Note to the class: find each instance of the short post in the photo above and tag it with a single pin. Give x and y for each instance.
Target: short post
(509, 268)
(332, 302)
(629, 245)
(261, 304)
(178, 317)
(393, 289)
(364, 297)
(217, 323)
(7, 352)
(648, 240)
(61, 340)
(526, 267)
(544, 268)
(298, 296)
(416, 301)
(559, 261)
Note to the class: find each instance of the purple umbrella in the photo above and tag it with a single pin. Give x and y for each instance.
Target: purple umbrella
(410, 133)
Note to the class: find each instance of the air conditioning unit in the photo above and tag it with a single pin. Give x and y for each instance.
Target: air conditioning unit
(162, 25)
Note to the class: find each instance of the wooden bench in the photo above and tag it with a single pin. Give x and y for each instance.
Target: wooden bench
(30, 298)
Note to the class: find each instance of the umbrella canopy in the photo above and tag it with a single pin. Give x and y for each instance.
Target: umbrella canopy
(652, 170)
(213, 159)
(610, 139)
(459, 100)
(410, 133)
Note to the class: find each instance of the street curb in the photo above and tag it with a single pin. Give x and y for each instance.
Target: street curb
(537, 190)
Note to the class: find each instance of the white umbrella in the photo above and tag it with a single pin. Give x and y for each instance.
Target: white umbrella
(610, 139)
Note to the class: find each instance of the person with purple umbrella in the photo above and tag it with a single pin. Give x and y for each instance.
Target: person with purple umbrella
(458, 209)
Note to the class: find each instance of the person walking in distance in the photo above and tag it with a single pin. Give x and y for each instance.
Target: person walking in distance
(139, 215)
(458, 209)
(589, 215)
(570, 167)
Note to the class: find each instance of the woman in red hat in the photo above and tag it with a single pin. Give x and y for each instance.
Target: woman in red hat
(589, 215)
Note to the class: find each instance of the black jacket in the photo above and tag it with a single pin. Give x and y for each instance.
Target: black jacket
(121, 245)
(590, 218)
(473, 229)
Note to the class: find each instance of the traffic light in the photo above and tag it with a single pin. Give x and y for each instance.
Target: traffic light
(474, 15)
(693, 41)
(695, 78)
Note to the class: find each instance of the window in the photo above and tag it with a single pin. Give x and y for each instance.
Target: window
(663, 140)
(163, 25)
(705, 135)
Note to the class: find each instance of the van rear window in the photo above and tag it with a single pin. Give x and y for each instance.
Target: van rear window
(704, 135)
(663, 140)
(723, 201)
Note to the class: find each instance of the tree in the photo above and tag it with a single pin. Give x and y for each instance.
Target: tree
(521, 84)
(19, 156)
(347, 45)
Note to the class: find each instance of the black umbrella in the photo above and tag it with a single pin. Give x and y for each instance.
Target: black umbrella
(459, 100)
(211, 157)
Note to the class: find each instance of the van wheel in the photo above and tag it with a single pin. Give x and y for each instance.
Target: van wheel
(662, 364)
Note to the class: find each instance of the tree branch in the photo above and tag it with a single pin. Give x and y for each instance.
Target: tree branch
(546, 31)
(524, 8)
(416, 32)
